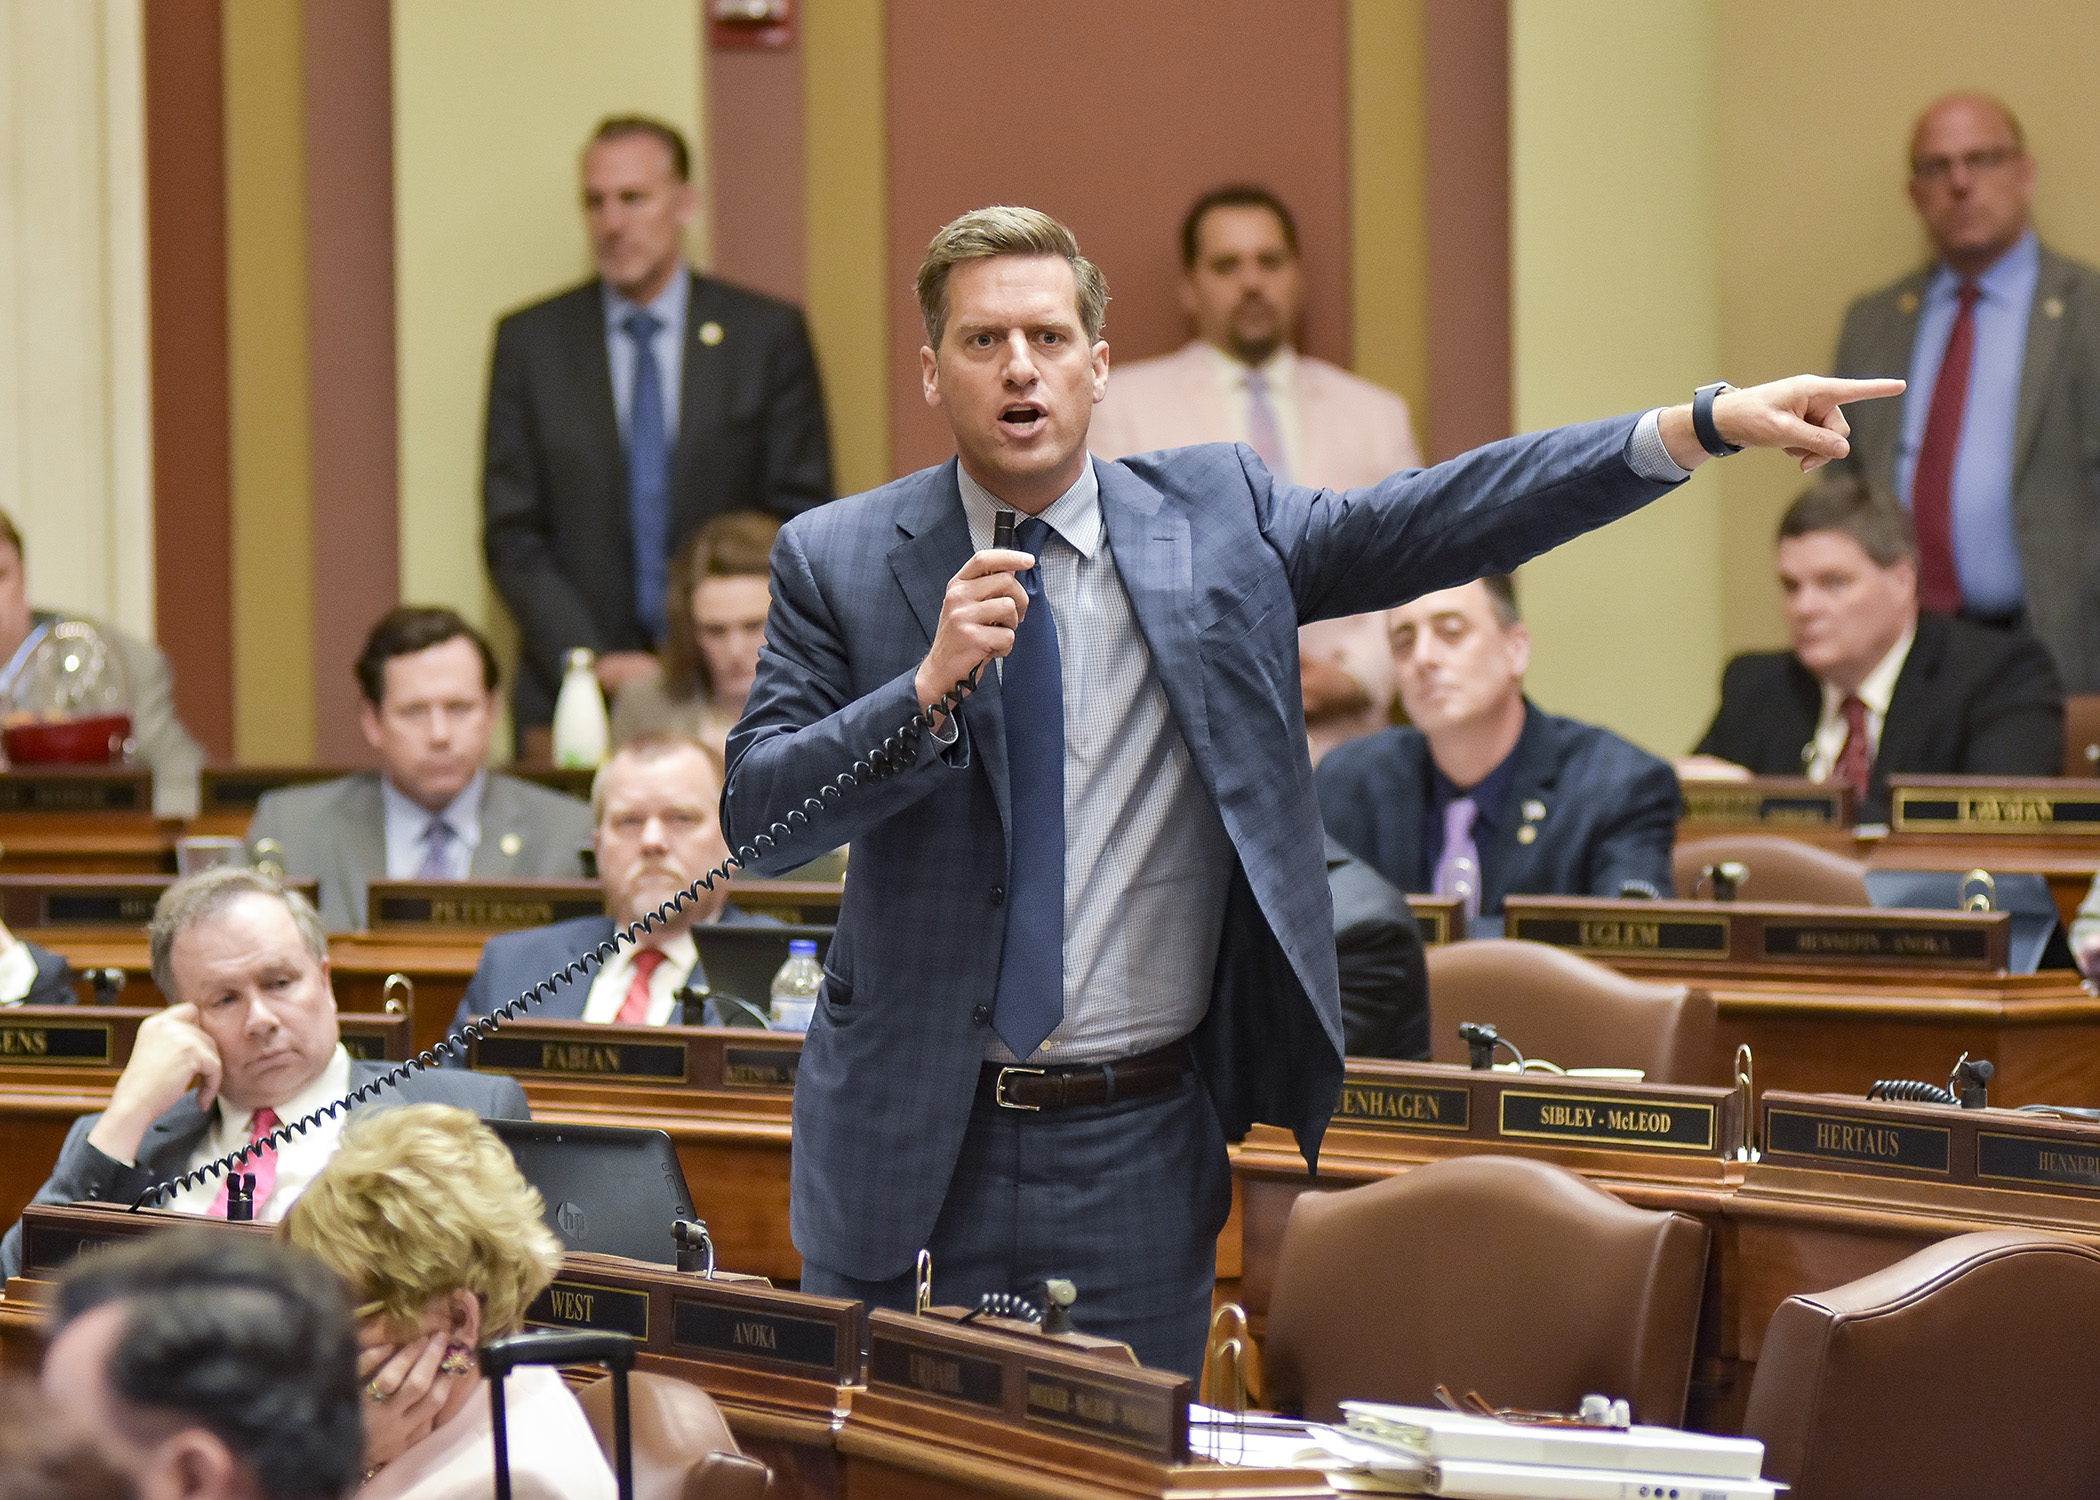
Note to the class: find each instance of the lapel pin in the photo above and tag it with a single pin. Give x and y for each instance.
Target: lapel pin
(1534, 810)
(1907, 303)
(710, 333)
(510, 844)
(2053, 308)
(1527, 833)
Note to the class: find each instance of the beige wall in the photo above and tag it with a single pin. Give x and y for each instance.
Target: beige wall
(492, 101)
(1614, 309)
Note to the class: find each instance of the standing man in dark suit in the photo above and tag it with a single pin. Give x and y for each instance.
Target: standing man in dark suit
(1482, 795)
(625, 412)
(1993, 449)
(1087, 936)
(1874, 686)
(248, 1043)
(657, 832)
(1379, 961)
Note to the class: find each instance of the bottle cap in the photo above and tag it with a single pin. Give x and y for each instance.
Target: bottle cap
(802, 947)
(582, 656)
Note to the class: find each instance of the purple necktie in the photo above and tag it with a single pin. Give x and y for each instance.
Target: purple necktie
(436, 866)
(1458, 869)
(1262, 433)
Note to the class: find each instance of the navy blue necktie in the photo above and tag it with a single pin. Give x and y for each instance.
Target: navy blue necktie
(1031, 997)
(648, 476)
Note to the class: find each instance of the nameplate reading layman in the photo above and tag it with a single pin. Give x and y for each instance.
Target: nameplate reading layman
(1997, 807)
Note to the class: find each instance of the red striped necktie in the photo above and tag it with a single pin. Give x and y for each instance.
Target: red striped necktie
(1932, 486)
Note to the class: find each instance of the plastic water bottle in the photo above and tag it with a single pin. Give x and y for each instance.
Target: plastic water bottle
(795, 986)
(581, 729)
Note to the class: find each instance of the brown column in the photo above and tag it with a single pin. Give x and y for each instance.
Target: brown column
(350, 296)
(1466, 53)
(754, 168)
(186, 273)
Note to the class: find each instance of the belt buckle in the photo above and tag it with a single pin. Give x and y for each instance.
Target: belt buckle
(999, 1089)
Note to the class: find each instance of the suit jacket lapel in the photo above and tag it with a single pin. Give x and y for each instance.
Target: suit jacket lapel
(703, 393)
(1912, 705)
(360, 835)
(1153, 554)
(1537, 770)
(2053, 287)
(168, 1143)
(1878, 425)
(598, 414)
(498, 818)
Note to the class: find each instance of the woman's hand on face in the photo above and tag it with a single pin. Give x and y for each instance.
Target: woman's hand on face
(405, 1393)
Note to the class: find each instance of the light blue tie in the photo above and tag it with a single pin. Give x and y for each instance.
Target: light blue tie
(1030, 1000)
(648, 476)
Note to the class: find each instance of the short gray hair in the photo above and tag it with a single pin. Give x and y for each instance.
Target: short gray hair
(193, 898)
(984, 233)
(1867, 513)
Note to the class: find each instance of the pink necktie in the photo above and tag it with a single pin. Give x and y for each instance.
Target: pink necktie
(262, 1163)
(1458, 868)
(1932, 486)
(634, 1010)
(1262, 433)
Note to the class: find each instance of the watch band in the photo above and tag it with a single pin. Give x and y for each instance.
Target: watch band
(1703, 420)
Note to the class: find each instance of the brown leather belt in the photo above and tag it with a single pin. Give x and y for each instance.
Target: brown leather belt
(1015, 1087)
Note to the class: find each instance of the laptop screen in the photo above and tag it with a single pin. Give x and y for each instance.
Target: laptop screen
(741, 961)
(607, 1189)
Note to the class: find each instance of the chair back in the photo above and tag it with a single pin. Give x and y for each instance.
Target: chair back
(1569, 1010)
(1500, 1274)
(2081, 734)
(1967, 1369)
(682, 1448)
(1780, 869)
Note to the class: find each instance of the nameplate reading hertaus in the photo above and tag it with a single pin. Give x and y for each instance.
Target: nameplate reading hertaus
(2042, 1159)
(577, 1056)
(482, 910)
(2009, 808)
(1400, 1106)
(1136, 1416)
(1925, 943)
(1676, 937)
(1856, 1139)
(55, 1044)
(760, 1067)
(1736, 804)
(122, 792)
(1648, 1123)
(936, 1372)
(584, 1304)
(744, 1333)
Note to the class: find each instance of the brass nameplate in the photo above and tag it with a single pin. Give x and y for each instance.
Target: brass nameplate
(57, 794)
(580, 1058)
(584, 1304)
(945, 1373)
(1923, 943)
(1401, 1106)
(1854, 1138)
(483, 910)
(746, 1333)
(1675, 937)
(47, 1247)
(1737, 804)
(132, 908)
(1434, 927)
(1649, 1124)
(2039, 1159)
(760, 1067)
(1136, 1416)
(2071, 809)
(55, 1044)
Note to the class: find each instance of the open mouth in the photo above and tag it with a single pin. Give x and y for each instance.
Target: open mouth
(1023, 417)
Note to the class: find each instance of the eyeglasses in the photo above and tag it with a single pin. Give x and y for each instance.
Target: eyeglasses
(1937, 169)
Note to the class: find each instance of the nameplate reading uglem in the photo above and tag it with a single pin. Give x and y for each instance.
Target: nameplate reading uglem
(1678, 937)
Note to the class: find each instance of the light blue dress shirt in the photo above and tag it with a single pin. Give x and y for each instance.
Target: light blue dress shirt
(669, 343)
(1986, 549)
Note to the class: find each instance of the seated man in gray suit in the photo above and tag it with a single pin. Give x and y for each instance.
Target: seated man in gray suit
(657, 833)
(248, 1042)
(433, 810)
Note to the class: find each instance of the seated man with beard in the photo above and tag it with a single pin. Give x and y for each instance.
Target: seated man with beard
(654, 806)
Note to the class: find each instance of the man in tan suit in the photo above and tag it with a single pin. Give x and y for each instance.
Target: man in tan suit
(1242, 380)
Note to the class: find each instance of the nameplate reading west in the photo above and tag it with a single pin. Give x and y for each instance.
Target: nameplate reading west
(584, 1304)
(55, 1044)
(1400, 1106)
(1861, 1138)
(1651, 1124)
(580, 1057)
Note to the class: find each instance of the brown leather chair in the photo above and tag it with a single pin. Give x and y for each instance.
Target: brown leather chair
(2082, 734)
(1967, 1369)
(1499, 1274)
(1780, 869)
(1569, 1010)
(682, 1448)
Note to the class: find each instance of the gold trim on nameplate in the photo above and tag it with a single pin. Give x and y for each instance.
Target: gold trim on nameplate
(2048, 1160)
(580, 1057)
(1949, 809)
(586, 1304)
(1920, 941)
(1859, 1139)
(927, 1370)
(1720, 803)
(1607, 1120)
(1700, 939)
(1377, 1105)
(55, 1044)
(1134, 1418)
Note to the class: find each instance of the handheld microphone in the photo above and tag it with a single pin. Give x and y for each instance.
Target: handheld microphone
(1003, 528)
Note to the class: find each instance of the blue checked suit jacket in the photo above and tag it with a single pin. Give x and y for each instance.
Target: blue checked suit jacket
(1222, 562)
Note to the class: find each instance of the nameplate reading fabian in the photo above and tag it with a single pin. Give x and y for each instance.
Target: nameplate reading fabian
(580, 1056)
(1649, 1123)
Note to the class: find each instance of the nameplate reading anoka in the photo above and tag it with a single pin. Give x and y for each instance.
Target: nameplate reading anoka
(2010, 809)
(2038, 1159)
(576, 1054)
(922, 1370)
(1600, 1119)
(1861, 1139)
(584, 1304)
(758, 1334)
(1401, 1106)
(1673, 937)
(1134, 1415)
(55, 1044)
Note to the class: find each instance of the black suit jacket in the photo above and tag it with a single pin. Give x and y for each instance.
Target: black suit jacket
(53, 984)
(1970, 701)
(555, 525)
(1378, 949)
(1608, 819)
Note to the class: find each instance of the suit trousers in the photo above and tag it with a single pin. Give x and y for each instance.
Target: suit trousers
(1123, 1200)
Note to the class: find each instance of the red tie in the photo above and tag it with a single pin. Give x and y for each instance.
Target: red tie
(1932, 486)
(1855, 762)
(262, 1163)
(634, 1010)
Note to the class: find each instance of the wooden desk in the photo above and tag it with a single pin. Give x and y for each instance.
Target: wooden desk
(1789, 807)
(228, 794)
(2047, 826)
(85, 819)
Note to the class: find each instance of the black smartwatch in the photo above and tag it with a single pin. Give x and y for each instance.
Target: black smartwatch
(1703, 420)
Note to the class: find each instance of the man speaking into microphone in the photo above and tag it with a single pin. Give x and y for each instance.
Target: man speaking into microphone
(1087, 936)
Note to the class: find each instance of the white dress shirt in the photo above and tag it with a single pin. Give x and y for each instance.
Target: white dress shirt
(299, 1160)
(17, 974)
(1875, 692)
(610, 984)
(407, 825)
(1281, 371)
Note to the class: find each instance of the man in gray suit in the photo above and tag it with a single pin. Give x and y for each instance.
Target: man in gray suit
(1991, 448)
(252, 1026)
(433, 810)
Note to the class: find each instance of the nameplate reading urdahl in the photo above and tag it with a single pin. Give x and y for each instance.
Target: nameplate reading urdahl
(741, 1333)
(1684, 938)
(1726, 804)
(1399, 1106)
(1137, 1418)
(1646, 1124)
(2028, 1158)
(937, 1372)
(1851, 1138)
(581, 1058)
(759, 1068)
(1959, 810)
(601, 1309)
(1877, 942)
(87, 794)
(55, 1044)
(485, 911)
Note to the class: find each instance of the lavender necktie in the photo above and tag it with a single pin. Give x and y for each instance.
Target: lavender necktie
(436, 863)
(1262, 433)
(1458, 868)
